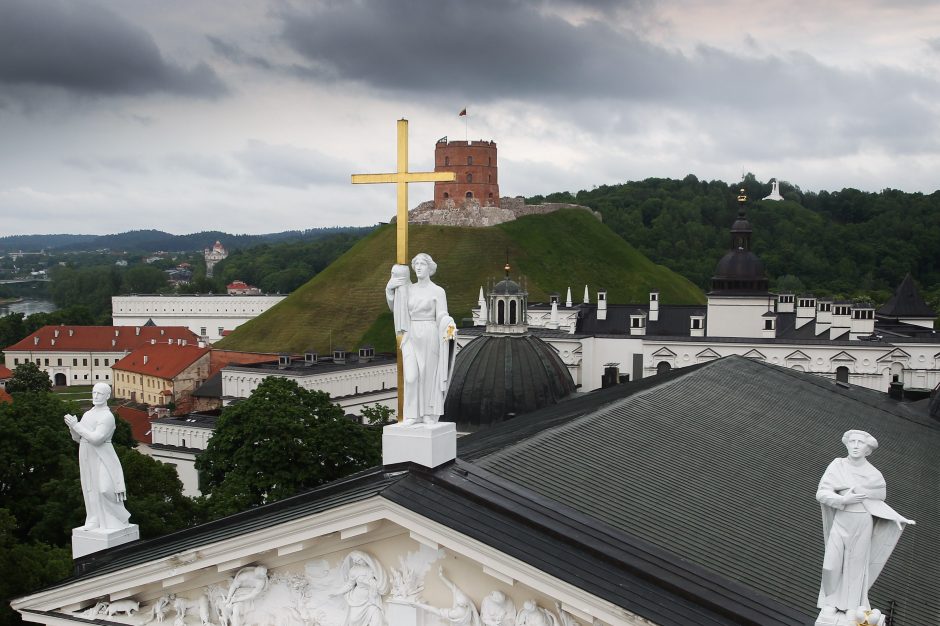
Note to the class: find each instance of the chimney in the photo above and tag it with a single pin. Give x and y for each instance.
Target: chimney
(113, 342)
(654, 305)
(184, 342)
(137, 330)
(56, 333)
(35, 341)
(896, 389)
(71, 331)
(568, 298)
(146, 358)
(161, 332)
(587, 297)
(117, 332)
(53, 342)
(602, 304)
(201, 344)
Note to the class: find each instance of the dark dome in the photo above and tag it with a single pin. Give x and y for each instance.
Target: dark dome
(739, 270)
(497, 377)
(506, 287)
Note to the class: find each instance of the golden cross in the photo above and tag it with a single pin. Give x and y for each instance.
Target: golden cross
(402, 177)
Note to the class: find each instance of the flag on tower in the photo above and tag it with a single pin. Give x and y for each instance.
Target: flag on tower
(462, 113)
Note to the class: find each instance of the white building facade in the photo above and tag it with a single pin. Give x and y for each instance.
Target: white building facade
(208, 316)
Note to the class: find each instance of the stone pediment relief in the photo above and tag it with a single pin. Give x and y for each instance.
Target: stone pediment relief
(370, 573)
(895, 355)
(707, 353)
(797, 355)
(755, 354)
(843, 356)
(664, 352)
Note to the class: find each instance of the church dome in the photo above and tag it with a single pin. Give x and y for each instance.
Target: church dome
(739, 270)
(497, 377)
(506, 287)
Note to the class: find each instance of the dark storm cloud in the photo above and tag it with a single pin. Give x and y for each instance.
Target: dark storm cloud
(499, 49)
(86, 48)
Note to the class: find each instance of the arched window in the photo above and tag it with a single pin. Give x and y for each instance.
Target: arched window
(469, 178)
(469, 160)
(447, 160)
(446, 195)
(491, 195)
(469, 194)
(842, 374)
(663, 367)
(512, 312)
(500, 312)
(489, 161)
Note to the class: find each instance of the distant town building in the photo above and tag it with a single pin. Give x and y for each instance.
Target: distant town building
(160, 373)
(353, 379)
(241, 288)
(84, 355)
(893, 347)
(213, 255)
(209, 316)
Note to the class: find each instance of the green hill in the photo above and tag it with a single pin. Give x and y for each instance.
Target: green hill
(344, 305)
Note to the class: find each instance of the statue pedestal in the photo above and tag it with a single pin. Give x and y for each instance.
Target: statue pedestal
(399, 613)
(85, 542)
(429, 445)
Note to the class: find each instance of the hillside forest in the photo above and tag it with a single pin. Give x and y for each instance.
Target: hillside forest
(847, 244)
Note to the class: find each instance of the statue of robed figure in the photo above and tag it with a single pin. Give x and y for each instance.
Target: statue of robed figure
(428, 332)
(859, 528)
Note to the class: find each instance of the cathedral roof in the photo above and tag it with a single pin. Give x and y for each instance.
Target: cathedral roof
(497, 377)
(906, 302)
(685, 498)
(506, 287)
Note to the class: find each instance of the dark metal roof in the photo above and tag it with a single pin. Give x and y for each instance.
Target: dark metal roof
(906, 302)
(497, 377)
(212, 388)
(719, 466)
(595, 557)
(673, 319)
(506, 287)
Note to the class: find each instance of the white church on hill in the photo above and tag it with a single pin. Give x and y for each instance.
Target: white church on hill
(850, 342)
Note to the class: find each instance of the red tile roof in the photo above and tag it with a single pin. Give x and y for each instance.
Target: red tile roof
(99, 338)
(5, 397)
(162, 360)
(5, 372)
(220, 358)
(139, 421)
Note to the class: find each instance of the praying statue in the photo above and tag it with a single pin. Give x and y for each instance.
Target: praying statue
(101, 475)
(428, 332)
(364, 584)
(860, 531)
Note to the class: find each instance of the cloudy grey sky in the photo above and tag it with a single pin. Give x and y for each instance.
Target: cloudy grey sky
(250, 115)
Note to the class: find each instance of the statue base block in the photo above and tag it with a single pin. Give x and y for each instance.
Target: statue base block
(86, 542)
(401, 613)
(429, 445)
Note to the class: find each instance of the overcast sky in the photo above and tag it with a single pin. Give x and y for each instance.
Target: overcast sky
(250, 116)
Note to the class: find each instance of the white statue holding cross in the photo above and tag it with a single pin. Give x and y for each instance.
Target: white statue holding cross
(425, 331)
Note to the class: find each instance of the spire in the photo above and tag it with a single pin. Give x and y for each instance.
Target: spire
(587, 296)
(506, 312)
(568, 298)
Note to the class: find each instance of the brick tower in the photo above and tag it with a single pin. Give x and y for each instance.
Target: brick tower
(474, 162)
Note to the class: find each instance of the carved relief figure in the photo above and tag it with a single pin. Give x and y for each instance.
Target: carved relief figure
(498, 609)
(246, 586)
(463, 612)
(532, 614)
(420, 311)
(364, 584)
(101, 474)
(860, 530)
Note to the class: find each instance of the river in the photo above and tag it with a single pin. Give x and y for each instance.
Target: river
(28, 306)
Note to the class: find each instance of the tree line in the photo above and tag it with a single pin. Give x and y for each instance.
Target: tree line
(846, 244)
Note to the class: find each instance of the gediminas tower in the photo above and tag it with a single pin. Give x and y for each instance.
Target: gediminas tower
(474, 163)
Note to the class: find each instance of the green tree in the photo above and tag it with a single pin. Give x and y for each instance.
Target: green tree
(378, 414)
(144, 279)
(12, 329)
(28, 377)
(281, 439)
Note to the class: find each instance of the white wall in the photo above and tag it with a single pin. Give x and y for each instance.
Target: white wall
(209, 312)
